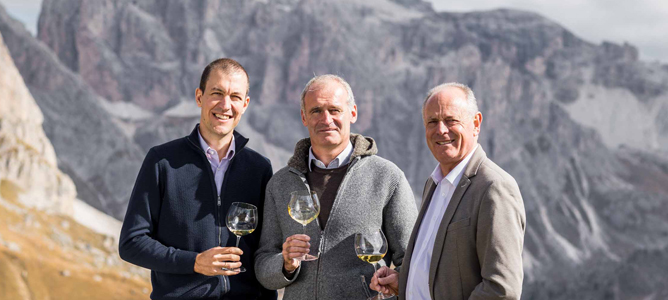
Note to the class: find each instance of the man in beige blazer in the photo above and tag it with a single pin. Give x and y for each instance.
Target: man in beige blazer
(468, 238)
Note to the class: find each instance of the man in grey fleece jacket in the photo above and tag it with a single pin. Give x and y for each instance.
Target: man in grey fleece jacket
(359, 192)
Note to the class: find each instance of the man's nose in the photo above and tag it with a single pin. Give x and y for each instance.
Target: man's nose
(226, 103)
(442, 127)
(327, 117)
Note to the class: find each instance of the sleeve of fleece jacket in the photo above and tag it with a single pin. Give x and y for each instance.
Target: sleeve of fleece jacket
(399, 216)
(136, 245)
(266, 294)
(269, 257)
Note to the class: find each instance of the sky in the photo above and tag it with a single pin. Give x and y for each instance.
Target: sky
(642, 23)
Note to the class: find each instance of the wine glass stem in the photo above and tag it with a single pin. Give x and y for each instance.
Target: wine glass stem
(304, 230)
(238, 238)
(374, 272)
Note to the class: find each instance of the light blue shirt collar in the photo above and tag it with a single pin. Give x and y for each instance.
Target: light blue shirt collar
(212, 154)
(341, 160)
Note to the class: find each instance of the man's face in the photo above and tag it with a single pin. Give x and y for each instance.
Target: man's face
(327, 115)
(223, 102)
(451, 130)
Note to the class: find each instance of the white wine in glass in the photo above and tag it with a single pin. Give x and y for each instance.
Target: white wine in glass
(304, 208)
(371, 248)
(241, 220)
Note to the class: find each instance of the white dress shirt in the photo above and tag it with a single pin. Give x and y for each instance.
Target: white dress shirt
(417, 287)
(341, 160)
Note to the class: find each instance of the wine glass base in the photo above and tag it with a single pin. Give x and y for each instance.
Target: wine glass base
(241, 269)
(308, 257)
(380, 297)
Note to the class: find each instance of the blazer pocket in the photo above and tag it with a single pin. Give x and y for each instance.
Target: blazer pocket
(459, 224)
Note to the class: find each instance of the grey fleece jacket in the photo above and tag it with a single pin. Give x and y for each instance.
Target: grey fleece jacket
(374, 194)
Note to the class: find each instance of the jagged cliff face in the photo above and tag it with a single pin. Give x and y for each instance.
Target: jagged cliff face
(28, 170)
(92, 147)
(44, 252)
(581, 127)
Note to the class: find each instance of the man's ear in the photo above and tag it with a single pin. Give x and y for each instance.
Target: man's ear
(198, 97)
(246, 101)
(353, 112)
(303, 118)
(477, 121)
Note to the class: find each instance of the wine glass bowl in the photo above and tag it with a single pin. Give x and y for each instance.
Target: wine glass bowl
(304, 207)
(241, 220)
(371, 247)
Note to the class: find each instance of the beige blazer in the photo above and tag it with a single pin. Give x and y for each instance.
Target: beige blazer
(478, 248)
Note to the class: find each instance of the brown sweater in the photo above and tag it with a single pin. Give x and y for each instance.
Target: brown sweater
(325, 183)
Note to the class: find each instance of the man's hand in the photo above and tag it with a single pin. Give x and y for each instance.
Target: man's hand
(385, 281)
(211, 262)
(295, 246)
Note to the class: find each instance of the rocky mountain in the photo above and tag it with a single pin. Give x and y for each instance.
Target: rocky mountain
(28, 170)
(581, 126)
(92, 147)
(45, 253)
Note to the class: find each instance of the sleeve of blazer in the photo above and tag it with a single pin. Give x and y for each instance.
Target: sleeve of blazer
(399, 216)
(136, 245)
(499, 242)
(269, 256)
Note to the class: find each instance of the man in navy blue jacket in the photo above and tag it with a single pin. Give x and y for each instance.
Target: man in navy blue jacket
(175, 222)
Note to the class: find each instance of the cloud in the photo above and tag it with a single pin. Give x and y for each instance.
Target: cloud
(642, 23)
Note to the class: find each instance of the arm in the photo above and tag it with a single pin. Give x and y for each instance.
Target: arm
(499, 242)
(136, 245)
(269, 257)
(399, 215)
(266, 294)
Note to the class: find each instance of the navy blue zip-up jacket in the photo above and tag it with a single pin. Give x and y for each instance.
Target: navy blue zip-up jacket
(174, 214)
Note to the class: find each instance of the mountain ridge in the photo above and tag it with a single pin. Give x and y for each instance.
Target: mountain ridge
(551, 104)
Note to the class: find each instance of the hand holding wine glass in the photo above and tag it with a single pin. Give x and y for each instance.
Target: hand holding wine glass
(303, 208)
(241, 220)
(386, 281)
(371, 248)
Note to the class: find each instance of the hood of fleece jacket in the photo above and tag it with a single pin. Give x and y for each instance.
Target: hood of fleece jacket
(362, 146)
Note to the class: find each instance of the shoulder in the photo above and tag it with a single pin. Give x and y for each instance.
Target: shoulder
(491, 172)
(172, 149)
(377, 164)
(497, 181)
(281, 176)
(253, 159)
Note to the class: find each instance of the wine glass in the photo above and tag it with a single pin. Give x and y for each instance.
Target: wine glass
(371, 248)
(304, 208)
(241, 220)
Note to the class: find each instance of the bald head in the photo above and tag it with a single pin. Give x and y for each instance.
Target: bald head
(456, 90)
(328, 81)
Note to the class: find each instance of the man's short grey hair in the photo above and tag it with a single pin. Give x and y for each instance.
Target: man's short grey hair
(324, 78)
(472, 103)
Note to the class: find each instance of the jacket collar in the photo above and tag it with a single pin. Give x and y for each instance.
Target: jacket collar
(362, 146)
(239, 140)
(476, 161)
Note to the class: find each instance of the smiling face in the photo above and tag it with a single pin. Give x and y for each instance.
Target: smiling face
(328, 117)
(223, 102)
(451, 130)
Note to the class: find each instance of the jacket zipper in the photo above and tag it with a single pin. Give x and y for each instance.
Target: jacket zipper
(220, 226)
(219, 203)
(322, 231)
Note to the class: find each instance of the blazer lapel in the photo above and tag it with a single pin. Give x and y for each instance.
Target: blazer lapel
(427, 192)
(471, 169)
